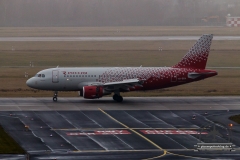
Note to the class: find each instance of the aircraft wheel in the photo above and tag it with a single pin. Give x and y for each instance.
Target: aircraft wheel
(114, 97)
(54, 99)
(120, 98)
(117, 98)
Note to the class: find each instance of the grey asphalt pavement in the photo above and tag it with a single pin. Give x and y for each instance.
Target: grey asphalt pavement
(138, 128)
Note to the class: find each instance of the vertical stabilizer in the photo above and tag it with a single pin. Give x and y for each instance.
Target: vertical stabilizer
(197, 56)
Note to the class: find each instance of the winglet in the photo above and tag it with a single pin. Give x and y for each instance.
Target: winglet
(197, 56)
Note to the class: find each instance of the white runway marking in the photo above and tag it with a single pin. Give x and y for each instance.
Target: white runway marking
(132, 38)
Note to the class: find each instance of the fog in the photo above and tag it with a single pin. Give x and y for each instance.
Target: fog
(74, 13)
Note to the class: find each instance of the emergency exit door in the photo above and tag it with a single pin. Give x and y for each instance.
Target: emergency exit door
(55, 76)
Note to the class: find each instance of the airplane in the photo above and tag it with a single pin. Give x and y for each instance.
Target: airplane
(95, 82)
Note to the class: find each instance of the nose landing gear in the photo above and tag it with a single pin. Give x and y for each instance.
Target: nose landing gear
(55, 96)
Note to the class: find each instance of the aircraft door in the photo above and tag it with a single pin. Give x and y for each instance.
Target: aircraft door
(55, 76)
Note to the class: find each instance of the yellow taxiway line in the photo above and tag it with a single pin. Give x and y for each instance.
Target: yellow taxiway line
(164, 151)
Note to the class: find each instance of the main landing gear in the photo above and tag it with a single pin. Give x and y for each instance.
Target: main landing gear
(117, 98)
(55, 96)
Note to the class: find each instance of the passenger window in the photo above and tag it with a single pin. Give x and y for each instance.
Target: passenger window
(91, 75)
(70, 75)
(76, 75)
(94, 75)
(73, 75)
(88, 75)
(85, 75)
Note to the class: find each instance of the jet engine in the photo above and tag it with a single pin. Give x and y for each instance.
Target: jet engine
(91, 92)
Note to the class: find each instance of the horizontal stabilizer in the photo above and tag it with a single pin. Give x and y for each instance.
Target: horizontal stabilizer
(194, 75)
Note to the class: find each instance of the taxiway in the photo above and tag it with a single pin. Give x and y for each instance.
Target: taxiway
(138, 128)
(129, 103)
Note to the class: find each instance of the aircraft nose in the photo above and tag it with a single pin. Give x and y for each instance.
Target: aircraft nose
(30, 83)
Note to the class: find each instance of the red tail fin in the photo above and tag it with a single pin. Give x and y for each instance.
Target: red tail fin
(197, 56)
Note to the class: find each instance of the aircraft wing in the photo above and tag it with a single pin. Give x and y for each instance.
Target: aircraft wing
(126, 81)
(124, 85)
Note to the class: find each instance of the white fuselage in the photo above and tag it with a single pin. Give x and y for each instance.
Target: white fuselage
(74, 79)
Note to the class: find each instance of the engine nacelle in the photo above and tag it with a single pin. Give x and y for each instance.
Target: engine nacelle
(91, 92)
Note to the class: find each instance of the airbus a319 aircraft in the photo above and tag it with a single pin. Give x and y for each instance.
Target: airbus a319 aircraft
(95, 82)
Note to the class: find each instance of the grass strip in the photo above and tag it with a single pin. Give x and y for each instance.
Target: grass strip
(8, 145)
(235, 118)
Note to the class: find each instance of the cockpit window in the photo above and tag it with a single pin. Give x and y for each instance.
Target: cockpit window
(40, 75)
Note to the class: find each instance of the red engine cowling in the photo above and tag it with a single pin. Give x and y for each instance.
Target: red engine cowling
(91, 92)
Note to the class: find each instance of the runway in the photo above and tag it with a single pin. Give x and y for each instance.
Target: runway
(133, 38)
(129, 103)
(138, 128)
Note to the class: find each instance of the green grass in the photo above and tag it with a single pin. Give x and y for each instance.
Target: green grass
(235, 118)
(8, 145)
(127, 53)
